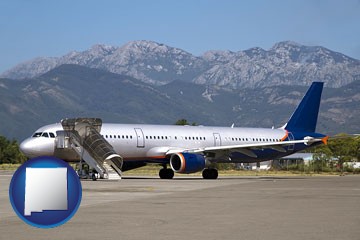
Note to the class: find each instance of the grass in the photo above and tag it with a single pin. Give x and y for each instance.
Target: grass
(153, 170)
(7, 166)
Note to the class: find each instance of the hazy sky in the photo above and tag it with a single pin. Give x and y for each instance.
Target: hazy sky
(30, 29)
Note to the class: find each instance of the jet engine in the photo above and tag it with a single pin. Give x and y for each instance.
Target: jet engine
(187, 162)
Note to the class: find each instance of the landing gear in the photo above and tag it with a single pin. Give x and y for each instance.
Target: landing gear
(84, 171)
(210, 173)
(93, 177)
(166, 173)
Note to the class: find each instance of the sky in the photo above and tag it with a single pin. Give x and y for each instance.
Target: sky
(49, 28)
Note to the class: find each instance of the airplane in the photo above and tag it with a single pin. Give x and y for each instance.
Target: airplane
(190, 149)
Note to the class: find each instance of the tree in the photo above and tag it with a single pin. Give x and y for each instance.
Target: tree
(322, 158)
(184, 122)
(9, 152)
(342, 147)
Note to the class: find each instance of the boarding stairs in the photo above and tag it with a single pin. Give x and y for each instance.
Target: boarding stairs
(82, 135)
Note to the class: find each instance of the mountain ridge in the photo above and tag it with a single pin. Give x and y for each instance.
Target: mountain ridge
(286, 63)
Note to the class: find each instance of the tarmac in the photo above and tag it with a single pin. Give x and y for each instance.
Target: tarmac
(193, 208)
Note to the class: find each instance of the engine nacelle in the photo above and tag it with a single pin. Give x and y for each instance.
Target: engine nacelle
(187, 162)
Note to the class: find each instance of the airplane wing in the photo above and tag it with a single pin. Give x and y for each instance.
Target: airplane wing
(247, 148)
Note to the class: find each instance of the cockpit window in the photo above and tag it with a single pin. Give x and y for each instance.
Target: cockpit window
(37, 134)
(45, 134)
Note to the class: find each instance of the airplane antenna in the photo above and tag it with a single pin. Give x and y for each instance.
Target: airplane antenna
(232, 126)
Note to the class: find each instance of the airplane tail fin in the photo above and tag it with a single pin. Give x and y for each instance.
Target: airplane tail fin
(305, 117)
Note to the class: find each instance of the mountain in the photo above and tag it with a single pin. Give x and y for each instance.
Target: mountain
(77, 91)
(286, 63)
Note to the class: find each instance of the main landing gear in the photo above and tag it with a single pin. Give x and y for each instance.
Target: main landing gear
(207, 173)
(210, 173)
(166, 173)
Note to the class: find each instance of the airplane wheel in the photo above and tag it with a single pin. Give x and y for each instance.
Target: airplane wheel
(210, 173)
(205, 173)
(166, 173)
(93, 177)
(214, 173)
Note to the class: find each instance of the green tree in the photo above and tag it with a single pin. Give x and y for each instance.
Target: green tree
(357, 146)
(9, 152)
(322, 157)
(184, 122)
(342, 147)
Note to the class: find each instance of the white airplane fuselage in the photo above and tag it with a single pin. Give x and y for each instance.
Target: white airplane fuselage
(151, 142)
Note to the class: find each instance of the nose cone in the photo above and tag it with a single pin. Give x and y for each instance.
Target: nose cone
(27, 147)
(37, 146)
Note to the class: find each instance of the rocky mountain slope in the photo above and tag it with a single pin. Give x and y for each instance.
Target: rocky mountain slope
(286, 63)
(76, 91)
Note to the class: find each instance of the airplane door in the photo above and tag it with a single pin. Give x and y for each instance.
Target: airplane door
(140, 138)
(217, 139)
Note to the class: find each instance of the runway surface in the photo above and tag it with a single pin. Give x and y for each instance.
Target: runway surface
(193, 208)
